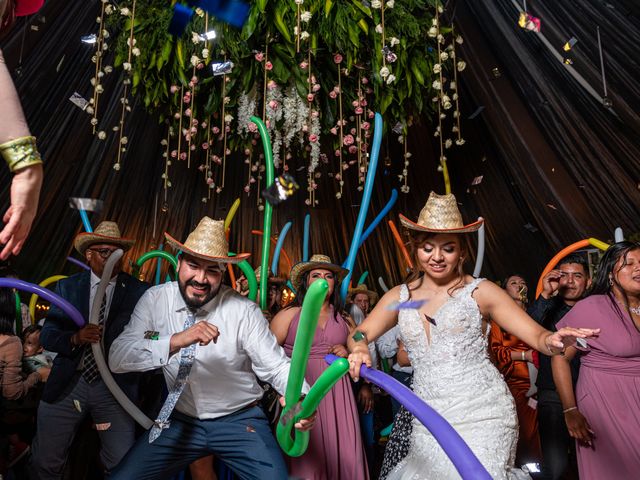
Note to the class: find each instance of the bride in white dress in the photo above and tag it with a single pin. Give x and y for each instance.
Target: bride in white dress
(446, 338)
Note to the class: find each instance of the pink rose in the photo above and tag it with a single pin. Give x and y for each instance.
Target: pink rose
(209, 181)
(217, 159)
(173, 89)
(353, 149)
(286, 168)
(203, 124)
(365, 125)
(313, 138)
(336, 89)
(194, 80)
(333, 94)
(359, 111)
(174, 153)
(252, 127)
(337, 176)
(194, 122)
(310, 97)
(193, 130)
(348, 140)
(259, 56)
(365, 80)
(337, 58)
(215, 130)
(273, 104)
(247, 152)
(205, 146)
(334, 130)
(187, 112)
(186, 98)
(271, 85)
(315, 87)
(305, 128)
(187, 137)
(183, 156)
(268, 66)
(315, 114)
(200, 66)
(247, 188)
(201, 168)
(371, 114)
(355, 103)
(176, 116)
(337, 153)
(304, 65)
(352, 131)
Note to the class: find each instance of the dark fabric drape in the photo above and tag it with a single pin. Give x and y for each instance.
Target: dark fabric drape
(558, 166)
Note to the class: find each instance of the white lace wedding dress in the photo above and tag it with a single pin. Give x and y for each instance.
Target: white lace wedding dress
(454, 375)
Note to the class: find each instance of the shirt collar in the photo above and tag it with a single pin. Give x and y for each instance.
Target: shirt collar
(95, 280)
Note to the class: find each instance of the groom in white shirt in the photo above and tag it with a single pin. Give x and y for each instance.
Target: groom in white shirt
(211, 343)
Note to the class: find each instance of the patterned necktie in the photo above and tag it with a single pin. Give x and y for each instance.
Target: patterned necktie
(90, 370)
(187, 356)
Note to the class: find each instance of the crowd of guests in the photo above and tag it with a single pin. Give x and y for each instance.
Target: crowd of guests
(576, 411)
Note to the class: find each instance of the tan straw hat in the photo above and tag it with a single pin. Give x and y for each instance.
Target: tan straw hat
(362, 288)
(316, 261)
(271, 279)
(105, 232)
(208, 242)
(440, 215)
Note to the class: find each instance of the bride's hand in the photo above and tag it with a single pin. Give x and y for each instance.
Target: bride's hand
(567, 336)
(356, 359)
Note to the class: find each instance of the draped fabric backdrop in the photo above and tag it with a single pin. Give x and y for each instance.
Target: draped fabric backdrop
(557, 165)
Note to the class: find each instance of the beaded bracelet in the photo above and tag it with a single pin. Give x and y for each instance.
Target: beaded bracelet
(570, 409)
(20, 153)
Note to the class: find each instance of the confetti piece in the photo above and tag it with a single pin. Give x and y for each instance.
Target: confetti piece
(552, 206)
(529, 22)
(79, 101)
(221, 68)
(569, 45)
(430, 320)
(410, 305)
(568, 61)
(76, 404)
(477, 180)
(581, 343)
(530, 227)
(101, 427)
(282, 189)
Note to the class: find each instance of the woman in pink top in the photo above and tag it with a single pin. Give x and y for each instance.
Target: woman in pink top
(603, 414)
(335, 448)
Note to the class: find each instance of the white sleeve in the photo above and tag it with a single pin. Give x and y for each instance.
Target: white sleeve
(388, 343)
(269, 361)
(131, 351)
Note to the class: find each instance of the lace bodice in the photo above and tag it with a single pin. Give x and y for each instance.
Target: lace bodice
(454, 374)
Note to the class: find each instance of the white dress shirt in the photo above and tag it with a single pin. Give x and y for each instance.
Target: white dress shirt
(223, 377)
(95, 281)
(388, 347)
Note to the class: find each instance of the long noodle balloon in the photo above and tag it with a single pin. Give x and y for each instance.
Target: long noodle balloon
(34, 298)
(465, 461)
(305, 238)
(276, 252)
(231, 214)
(401, 245)
(268, 210)
(364, 204)
(480, 257)
(380, 216)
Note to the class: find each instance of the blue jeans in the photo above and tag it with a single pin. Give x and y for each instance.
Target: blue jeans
(242, 440)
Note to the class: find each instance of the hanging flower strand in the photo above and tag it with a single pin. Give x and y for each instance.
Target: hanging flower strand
(458, 66)
(442, 99)
(101, 46)
(133, 51)
(337, 58)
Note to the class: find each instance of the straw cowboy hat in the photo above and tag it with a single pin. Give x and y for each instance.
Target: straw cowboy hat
(440, 215)
(316, 261)
(271, 279)
(105, 232)
(208, 242)
(362, 288)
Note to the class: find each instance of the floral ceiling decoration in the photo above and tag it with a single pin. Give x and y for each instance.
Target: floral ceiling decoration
(314, 71)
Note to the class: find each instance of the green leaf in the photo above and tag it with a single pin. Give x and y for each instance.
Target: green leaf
(280, 23)
(262, 5)
(364, 26)
(328, 5)
(180, 53)
(419, 68)
(387, 98)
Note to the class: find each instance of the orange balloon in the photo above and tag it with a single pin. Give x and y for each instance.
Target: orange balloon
(559, 256)
(402, 246)
(282, 251)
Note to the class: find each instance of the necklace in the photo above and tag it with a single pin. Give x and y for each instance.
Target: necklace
(634, 310)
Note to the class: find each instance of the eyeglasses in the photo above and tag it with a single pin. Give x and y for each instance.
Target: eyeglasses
(103, 252)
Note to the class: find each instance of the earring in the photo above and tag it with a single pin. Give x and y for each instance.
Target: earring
(610, 281)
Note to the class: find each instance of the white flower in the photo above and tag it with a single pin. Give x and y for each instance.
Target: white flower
(304, 35)
(105, 46)
(205, 53)
(195, 60)
(437, 68)
(391, 3)
(102, 135)
(433, 32)
(393, 41)
(195, 37)
(99, 88)
(116, 166)
(448, 143)
(444, 56)
(98, 20)
(228, 118)
(108, 69)
(90, 111)
(379, 28)
(376, 4)
(299, 2)
(305, 16)
(440, 38)
(460, 141)
(94, 121)
(384, 72)
(391, 79)
(126, 66)
(400, 138)
(454, 96)
(295, 30)
(453, 85)
(135, 51)
(125, 11)
(461, 65)
(124, 140)
(105, 33)
(108, 9)
(131, 43)
(434, 21)
(100, 74)
(200, 12)
(459, 40)
(436, 84)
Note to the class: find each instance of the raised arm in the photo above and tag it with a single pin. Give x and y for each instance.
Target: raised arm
(494, 303)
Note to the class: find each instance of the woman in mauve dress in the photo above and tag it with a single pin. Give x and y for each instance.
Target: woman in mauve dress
(336, 451)
(603, 415)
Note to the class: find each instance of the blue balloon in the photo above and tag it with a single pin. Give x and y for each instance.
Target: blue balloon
(305, 238)
(381, 215)
(465, 461)
(276, 252)
(364, 204)
(85, 221)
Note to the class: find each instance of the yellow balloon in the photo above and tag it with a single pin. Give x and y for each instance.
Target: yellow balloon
(231, 214)
(599, 244)
(34, 297)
